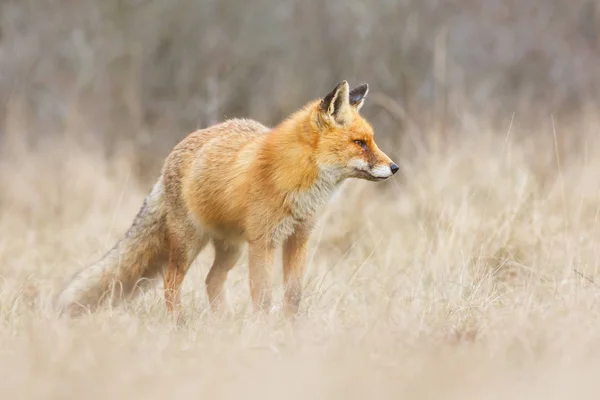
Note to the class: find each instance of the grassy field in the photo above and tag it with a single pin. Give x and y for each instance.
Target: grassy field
(471, 276)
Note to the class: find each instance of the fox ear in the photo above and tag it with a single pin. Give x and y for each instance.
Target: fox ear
(358, 95)
(336, 104)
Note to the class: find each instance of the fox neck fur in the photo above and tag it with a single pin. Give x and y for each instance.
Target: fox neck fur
(287, 158)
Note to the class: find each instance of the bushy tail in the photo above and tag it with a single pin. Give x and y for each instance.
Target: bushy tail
(139, 254)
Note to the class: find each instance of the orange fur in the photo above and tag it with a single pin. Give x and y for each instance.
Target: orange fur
(240, 182)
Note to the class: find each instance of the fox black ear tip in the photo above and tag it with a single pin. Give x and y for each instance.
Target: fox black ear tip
(363, 87)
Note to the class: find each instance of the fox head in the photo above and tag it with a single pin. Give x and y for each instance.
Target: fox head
(346, 143)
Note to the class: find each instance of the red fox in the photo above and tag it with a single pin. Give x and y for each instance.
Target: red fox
(235, 183)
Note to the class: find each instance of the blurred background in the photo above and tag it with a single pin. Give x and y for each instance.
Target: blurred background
(486, 243)
(141, 74)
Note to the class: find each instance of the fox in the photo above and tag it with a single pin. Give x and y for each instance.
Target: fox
(233, 184)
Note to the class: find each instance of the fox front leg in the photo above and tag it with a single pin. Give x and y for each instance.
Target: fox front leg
(295, 250)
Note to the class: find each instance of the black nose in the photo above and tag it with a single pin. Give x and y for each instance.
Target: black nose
(394, 168)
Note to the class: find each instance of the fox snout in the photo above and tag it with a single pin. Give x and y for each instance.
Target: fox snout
(377, 172)
(384, 171)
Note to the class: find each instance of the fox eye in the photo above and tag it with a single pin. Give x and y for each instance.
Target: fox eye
(361, 143)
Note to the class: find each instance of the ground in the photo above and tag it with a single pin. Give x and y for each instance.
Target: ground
(471, 275)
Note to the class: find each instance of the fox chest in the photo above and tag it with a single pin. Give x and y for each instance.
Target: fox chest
(303, 208)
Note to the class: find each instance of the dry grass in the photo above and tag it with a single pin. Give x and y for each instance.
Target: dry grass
(471, 277)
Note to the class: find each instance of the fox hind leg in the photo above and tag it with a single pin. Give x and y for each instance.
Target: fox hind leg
(260, 257)
(181, 255)
(226, 256)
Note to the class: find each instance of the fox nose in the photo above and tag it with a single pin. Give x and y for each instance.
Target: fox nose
(394, 168)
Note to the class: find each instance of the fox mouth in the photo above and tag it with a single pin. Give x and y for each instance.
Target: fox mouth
(369, 177)
(378, 178)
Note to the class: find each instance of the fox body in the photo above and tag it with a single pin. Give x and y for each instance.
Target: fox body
(234, 183)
